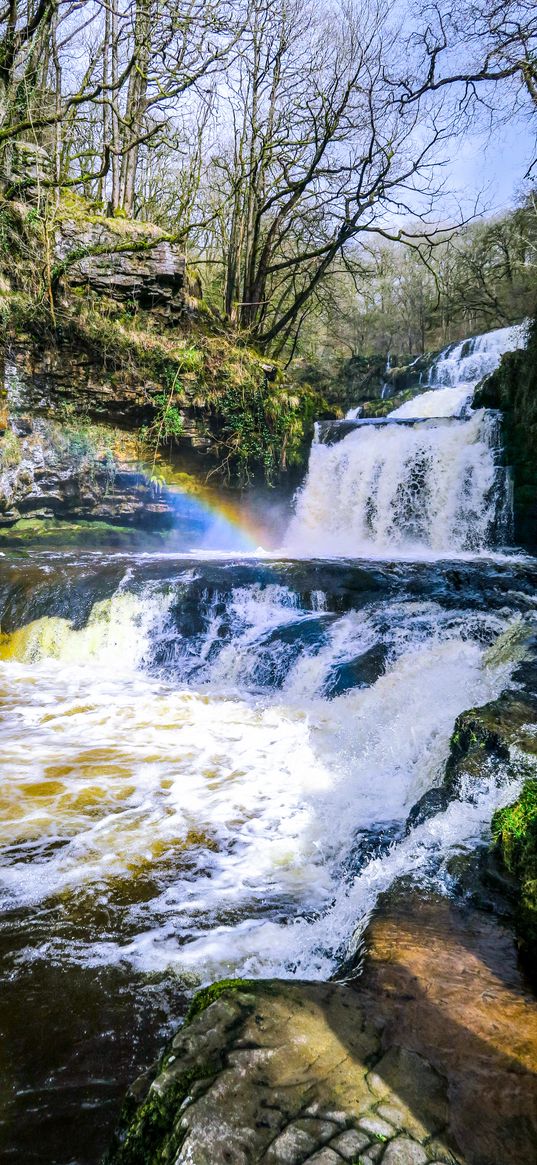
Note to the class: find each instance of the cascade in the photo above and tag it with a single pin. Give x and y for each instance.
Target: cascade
(426, 479)
(210, 761)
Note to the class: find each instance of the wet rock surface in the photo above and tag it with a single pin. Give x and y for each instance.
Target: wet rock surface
(512, 388)
(499, 737)
(48, 471)
(429, 1056)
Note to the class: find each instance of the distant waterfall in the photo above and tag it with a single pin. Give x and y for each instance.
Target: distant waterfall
(425, 479)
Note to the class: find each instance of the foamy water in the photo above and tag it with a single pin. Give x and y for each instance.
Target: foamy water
(230, 806)
(411, 490)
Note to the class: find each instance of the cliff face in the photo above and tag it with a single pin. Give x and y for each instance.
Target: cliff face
(513, 389)
(74, 472)
(100, 318)
(125, 261)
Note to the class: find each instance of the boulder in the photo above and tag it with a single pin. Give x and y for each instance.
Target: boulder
(123, 260)
(428, 1057)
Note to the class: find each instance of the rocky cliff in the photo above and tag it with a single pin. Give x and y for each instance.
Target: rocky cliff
(513, 389)
(126, 261)
(112, 326)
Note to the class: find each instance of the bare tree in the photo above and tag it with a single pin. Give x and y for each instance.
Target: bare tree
(320, 155)
(474, 47)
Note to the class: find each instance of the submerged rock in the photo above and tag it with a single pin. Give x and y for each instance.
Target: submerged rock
(428, 1057)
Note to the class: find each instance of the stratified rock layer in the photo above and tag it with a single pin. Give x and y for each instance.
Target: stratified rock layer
(430, 1056)
(123, 260)
(49, 471)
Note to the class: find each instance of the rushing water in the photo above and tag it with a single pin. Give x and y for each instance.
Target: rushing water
(430, 479)
(207, 766)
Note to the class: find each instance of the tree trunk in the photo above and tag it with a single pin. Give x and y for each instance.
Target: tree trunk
(136, 102)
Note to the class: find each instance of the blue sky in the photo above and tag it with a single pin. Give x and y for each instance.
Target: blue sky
(493, 166)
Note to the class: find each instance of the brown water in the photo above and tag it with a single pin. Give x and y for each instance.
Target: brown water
(206, 769)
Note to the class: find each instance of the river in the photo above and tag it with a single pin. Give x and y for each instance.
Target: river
(208, 759)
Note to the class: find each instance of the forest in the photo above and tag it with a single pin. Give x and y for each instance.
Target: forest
(296, 151)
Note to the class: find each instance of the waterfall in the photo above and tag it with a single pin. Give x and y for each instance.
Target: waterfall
(426, 479)
(186, 735)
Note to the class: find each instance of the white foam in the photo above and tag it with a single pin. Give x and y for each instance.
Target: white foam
(242, 811)
(408, 490)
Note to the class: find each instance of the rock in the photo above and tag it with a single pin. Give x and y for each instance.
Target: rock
(123, 260)
(402, 1151)
(446, 980)
(291, 1147)
(513, 389)
(325, 1157)
(376, 1127)
(514, 830)
(72, 473)
(361, 672)
(350, 1144)
(430, 1055)
(401, 1065)
(373, 1154)
(29, 165)
(494, 737)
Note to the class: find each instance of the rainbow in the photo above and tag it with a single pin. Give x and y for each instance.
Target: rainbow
(217, 523)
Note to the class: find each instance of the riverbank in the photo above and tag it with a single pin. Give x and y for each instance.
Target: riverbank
(429, 1055)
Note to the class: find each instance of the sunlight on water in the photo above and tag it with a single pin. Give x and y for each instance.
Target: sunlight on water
(206, 809)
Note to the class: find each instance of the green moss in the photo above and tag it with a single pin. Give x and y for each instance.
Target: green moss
(514, 830)
(381, 408)
(10, 450)
(208, 995)
(257, 420)
(147, 1133)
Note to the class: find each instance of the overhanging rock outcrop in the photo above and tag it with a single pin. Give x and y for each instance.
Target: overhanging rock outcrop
(126, 261)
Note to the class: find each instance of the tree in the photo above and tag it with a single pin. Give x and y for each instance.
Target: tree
(474, 47)
(321, 155)
(106, 77)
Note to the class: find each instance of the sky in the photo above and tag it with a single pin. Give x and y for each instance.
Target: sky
(493, 167)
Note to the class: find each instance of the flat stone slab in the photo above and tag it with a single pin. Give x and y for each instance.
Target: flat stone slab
(429, 1057)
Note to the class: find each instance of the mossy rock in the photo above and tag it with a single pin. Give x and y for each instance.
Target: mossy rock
(514, 830)
(149, 1130)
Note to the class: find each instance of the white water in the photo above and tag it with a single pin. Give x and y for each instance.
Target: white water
(185, 781)
(410, 490)
(244, 807)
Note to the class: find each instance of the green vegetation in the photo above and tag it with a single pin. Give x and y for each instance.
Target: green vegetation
(149, 1130)
(514, 830)
(200, 373)
(148, 1134)
(210, 994)
(10, 450)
